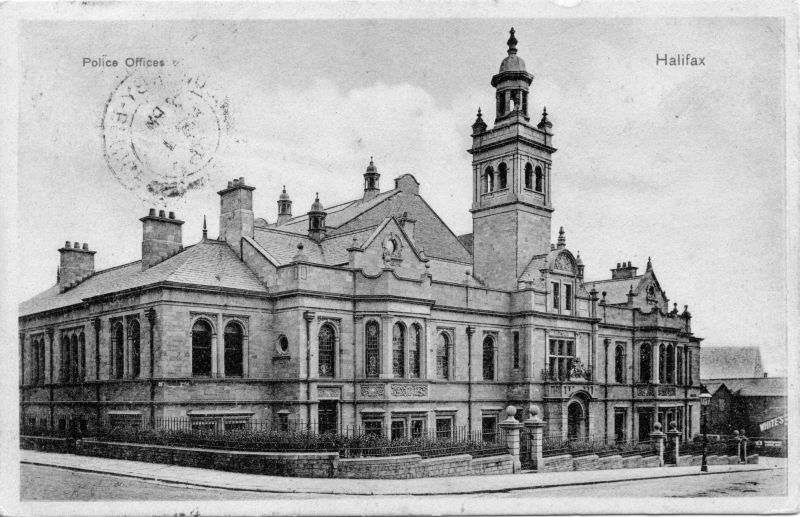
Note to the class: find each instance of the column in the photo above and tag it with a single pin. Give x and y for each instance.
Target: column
(511, 427)
(535, 427)
(655, 363)
(22, 357)
(386, 348)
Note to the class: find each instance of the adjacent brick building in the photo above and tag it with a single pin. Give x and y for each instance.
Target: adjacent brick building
(370, 312)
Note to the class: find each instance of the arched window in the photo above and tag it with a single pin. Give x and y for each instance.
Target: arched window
(136, 348)
(619, 364)
(488, 358)
(35, 358)
(662, 364)
(372, 348)
(118, 350)
(489, 179)
(645, 362)
(502, 176)
(41, 374)
(443, 356)
(234, 350)
(327, 347)
(64, 371)
(414, 353)
(679, 358)
(539, 180)
(73, 364)
(670, 364)
(82, 343)
(528, 176)
(398, 350)
(201, 349)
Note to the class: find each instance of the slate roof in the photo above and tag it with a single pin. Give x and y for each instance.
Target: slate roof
(430, 233)
(209, 263)
(753, 387)
(282, 245)
(468, 241)
(729, 362)
(616, 290)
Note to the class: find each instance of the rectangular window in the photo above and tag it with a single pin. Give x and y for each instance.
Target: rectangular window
(562, 356)
(398, 429)
(444, 427)
(489, 428)
(516, 349)
(283, 421)
(689, 367)
(620, 425)
(417, 428)
(373, 427)
(568, 297)
(556, 295)
(372, 363)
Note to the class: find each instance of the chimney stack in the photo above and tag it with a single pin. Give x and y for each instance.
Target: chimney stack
(623, 271)
(76, 265)
(236, 213)
(161, 237)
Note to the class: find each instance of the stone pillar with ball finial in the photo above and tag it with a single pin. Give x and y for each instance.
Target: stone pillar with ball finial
(511, 427)
(658, 438)
(535, 427)
(675, 435)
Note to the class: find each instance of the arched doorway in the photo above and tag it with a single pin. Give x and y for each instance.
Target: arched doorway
(576, 420)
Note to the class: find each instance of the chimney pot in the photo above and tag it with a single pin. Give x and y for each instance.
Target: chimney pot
(67, 244)
(230, 184)
(241, 180)
(161, 213)
(172, 215)
(152, 212)
(618, 265)
(86, 246)
(76, 245)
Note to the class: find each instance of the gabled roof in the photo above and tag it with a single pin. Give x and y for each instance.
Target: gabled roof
(754, 386)
(209, 263)
(282, 245)
(431, 234)
(730, 362)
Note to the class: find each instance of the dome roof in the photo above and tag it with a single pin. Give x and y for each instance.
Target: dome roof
(512, 63)
(316, 206)
(284, 196)
(371, 169)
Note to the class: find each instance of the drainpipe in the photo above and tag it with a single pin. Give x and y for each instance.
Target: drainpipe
(605, 402)
(308, 316)
(50, 335)
(470, 331)
(151, 319)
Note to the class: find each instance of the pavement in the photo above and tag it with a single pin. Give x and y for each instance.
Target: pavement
(526, 480)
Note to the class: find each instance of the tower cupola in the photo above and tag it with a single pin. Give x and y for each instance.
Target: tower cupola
(371, 181)
(316, 220)
(512, 83)
(284, 207)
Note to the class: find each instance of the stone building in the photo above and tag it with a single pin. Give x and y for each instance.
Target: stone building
(370, 312)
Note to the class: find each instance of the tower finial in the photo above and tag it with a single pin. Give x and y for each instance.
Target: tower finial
(649, 264)
(205, 229)
(562, 239)
(512, 43)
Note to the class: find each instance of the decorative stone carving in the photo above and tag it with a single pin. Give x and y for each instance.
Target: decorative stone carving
(563, 263)
(409, 390)
(644, 391)
(373, 390)
(666, 391)
(329, 392)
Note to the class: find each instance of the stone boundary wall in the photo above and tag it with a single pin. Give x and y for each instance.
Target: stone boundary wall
(291, 464)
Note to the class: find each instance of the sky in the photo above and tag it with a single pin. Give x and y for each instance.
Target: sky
(681, 164)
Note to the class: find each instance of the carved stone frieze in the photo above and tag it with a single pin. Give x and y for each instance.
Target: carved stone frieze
(373, 390)
(409, 390)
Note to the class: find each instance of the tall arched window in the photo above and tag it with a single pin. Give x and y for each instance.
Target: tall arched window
(35, 359)
(414, 352)
(398, 350)
(679, 368)
(670, 364)
(82, 343)
(201, 349)
(64, 371)
(662, 364)
(443, 356)
(645, 362)
(234, 350)
(528, 176)
(619, 364)
(502, 176)
(119, 351)
(136, 348)
(539, 179)
(372, 348)
(489, 179)
(41, 374)
(488, 358)
(73, 363)
(327, 347)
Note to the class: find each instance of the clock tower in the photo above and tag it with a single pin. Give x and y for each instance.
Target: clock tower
(511, 204)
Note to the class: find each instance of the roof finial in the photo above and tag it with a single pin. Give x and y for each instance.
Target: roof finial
(562, 239)
(512, 43)
(205, 229)
(479, 126)
(545, 122)
(649, 264)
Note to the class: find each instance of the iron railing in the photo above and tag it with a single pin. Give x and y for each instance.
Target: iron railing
(556, 444)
